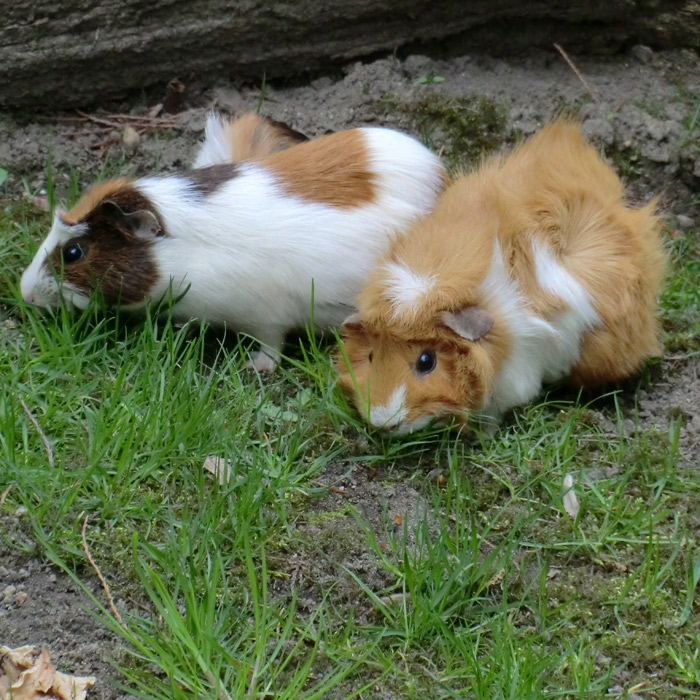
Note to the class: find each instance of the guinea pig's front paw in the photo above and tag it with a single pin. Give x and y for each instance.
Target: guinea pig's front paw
(262, 362)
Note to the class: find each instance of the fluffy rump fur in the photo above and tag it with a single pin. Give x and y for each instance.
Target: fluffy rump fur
(249, 137)
(529, 270)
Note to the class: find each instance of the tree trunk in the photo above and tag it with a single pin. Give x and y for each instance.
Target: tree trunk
(62, 54)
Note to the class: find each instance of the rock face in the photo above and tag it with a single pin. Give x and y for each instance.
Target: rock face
(76, 52)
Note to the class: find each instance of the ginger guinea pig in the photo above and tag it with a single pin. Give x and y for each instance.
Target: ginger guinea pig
(246, 244)
(529, 270)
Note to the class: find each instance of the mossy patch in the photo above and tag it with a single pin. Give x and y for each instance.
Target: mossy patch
(465, 127)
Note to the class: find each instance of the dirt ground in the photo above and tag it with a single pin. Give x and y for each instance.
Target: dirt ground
(641, 107)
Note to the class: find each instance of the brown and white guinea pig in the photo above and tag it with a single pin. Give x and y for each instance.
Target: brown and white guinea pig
(247, 244)
(529, 270)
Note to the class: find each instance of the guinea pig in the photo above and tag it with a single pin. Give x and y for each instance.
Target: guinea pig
(249, 137)
(531, 269)
(247, 244)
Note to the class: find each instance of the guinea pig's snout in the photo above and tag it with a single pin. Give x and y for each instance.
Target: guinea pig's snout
(391, 414)
(28, 289)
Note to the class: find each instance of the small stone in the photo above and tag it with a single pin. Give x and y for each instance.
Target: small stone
(322, 83)
(130, 138)
(21, 510)
(416, 65)
(9, 592)
(684, 222)
(642, 53)
(21, 598)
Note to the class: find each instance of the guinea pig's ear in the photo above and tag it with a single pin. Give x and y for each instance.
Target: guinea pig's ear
(142, 223)
(470, 322)
(353, 323)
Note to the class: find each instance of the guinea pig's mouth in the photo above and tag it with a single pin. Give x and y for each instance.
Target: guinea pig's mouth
(413, 425)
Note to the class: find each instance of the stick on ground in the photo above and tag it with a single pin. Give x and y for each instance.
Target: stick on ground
(112, 607)
(47, 444)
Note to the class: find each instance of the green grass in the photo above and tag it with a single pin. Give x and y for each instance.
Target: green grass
(274, 585)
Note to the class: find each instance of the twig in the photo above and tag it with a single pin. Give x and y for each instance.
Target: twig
(576, 70)
(130, 118)
(639, 686)
(333, 489)
(103, 144)
(47, 444)
(4, 495)
(114, 610)
(117, 121)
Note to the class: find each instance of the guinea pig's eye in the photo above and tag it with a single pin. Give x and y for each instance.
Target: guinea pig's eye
(72, 253)
(426, 362)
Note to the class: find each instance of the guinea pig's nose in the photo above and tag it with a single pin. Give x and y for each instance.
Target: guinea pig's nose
(391, 414)
(28, 292)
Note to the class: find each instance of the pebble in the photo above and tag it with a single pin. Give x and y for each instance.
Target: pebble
(684, 222)
(642, 53)
(130, 138)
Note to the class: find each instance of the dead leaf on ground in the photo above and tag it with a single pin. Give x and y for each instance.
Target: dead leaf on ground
(28, 676)
(496, 579)
(221, 468)
(40, 201)
(571, 504)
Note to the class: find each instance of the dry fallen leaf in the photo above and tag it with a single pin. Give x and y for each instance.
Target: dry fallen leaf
(398, 519)
(221, 468)
(571, 504)
(497, 578)
(27, 676)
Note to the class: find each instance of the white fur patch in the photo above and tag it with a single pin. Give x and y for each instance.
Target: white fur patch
(417, 424)
(540, 350)
(405, 288)
(392, 413)
(39, 285)
(520, 377)
(571, 323)
(216, 147)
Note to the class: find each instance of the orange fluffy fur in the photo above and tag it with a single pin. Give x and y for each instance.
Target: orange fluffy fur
(553, 189)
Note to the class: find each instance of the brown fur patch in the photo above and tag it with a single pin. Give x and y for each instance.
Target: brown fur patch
(117, 263)
(333, 169)
(206, 181)
(92, 198)
(555, 190)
